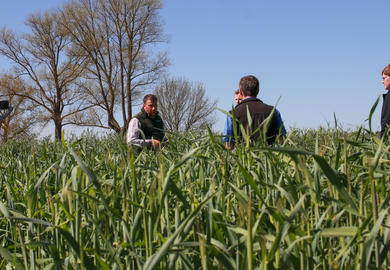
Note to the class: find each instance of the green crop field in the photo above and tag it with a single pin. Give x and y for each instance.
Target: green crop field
(317, 201)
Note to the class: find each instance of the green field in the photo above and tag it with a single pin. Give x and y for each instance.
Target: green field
(319, 201)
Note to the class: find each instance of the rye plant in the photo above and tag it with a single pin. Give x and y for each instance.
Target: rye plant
(316, 201)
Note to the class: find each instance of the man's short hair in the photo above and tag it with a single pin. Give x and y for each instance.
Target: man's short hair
(150, 97)
(386, 70)
(237, 92)
(249, 85)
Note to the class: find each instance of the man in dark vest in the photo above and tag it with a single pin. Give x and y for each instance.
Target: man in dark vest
(385, 115)
(258, 111)
(147, 127)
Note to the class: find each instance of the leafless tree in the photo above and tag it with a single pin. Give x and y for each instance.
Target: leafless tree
(25, 116)
(118, 38)
(40, 56)
(184, 106)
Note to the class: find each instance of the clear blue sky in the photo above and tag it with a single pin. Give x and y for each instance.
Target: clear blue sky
(319, 57)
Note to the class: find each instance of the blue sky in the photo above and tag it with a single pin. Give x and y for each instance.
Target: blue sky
(319, 57)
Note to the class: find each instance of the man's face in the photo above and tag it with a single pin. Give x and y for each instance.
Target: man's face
(150, 107)
(237, 98)
(386, 81)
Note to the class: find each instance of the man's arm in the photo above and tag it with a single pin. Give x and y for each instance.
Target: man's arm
(279, 123)
(134, 135)
(228, 135)
(280, 126)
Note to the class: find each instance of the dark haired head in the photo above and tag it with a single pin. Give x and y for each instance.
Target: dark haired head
(150, 97)
(249, 86)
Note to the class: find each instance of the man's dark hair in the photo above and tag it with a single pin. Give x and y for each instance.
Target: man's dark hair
(249, 85)
(386, 70)
(150, 97)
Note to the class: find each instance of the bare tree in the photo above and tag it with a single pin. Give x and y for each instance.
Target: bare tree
(40, 56)
(118, 38)
(24, 117)
(184, 105)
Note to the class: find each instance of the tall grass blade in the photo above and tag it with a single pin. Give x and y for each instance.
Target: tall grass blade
(153, 260)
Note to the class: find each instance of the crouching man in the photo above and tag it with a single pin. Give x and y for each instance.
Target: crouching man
(146, 128)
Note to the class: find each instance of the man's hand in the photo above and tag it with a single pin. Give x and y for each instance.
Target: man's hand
(154, 143)
(229, 146)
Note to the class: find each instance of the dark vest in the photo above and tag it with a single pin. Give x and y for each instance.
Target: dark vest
(385, 115)
(151, 127)
(258, 112)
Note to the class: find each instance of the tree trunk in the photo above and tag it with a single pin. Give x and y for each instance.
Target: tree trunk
(58, 127)
(113, 124)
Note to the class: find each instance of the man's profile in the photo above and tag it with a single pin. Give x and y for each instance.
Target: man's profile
(385, 114)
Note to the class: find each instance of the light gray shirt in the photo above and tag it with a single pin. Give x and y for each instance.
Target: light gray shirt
(135, 135)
